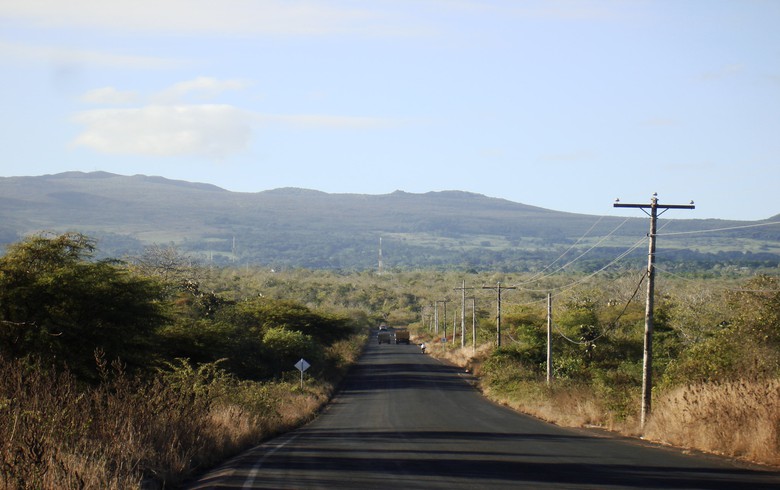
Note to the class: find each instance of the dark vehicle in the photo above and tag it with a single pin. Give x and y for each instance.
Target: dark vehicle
(402, 337)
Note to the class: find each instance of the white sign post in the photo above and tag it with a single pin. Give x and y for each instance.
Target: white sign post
(302, 366)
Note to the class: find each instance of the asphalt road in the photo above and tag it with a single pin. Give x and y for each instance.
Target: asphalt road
(404, 420)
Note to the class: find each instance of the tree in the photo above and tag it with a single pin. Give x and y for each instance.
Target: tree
(285, 347)
(58, 304)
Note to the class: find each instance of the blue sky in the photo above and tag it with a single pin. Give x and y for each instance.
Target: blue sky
(560, 104)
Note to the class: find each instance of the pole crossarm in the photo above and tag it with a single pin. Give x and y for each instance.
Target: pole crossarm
(659, 206)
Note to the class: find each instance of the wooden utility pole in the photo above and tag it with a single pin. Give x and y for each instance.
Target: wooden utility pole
(445, 301)
(647, 360)
(473, 325)
(462, 289)
(498, 290)
(381, 265)
(436, 317)
(549, 339)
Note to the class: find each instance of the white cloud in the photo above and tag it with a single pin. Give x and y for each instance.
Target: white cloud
(722, 72)
(211, 131)
(226, 17)
(168, 127)
(325, 121)
(201, 87)
(109, 95)
(65, 56)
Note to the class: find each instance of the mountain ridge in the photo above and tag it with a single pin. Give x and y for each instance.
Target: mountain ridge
(310, 228)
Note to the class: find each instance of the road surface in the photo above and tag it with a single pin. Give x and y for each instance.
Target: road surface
(404, 420)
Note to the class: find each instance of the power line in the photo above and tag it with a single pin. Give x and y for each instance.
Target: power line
(693, 232)
(568, 249)
(566, 287)
(537, 277)
(611, 325)
(720, 288)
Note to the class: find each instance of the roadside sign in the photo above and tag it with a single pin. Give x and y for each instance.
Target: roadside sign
(302, 366)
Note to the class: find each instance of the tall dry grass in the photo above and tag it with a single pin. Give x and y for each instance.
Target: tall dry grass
(127, 433)
(569, 404)
(739, 419)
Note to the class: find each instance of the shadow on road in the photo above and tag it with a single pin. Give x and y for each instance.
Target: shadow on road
(389, 459)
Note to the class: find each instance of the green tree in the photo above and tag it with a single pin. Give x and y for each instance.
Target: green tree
(286, 347)
(58, 304)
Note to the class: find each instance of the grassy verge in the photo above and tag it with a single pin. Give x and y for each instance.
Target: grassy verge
(739, 420)
(154, 433)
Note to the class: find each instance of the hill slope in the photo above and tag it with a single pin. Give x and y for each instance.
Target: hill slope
(306, 228)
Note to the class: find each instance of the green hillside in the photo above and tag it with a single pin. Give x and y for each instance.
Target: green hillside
(293, 227)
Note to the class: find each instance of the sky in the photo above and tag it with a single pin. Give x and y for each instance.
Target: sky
(560, 104)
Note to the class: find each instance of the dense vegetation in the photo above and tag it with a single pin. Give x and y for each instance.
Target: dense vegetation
(114, 373)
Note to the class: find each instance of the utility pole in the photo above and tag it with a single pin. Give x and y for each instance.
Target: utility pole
(422, 315)
(473, 325)
(436, 317)
(445, 301)
(549, 339)
(462, 315)
(379, 270)
(647, 360)
(498, 290)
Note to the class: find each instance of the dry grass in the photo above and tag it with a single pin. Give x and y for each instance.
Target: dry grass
(567, 405)
(739, 419)
(125, 433)
(570, 406)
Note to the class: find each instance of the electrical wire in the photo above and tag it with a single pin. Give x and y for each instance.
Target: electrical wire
(567, 250)
(575, 259)
(611, 325)
(723, 288)
(566, 287)
(692, 232)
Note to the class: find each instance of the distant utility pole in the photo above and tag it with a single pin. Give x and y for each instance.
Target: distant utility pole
(462, 315)
(380, 256)
(436, 317)
(647, 362)
(422, 314)
(436, 311)
(445, 301)
(498, 290)
(473, 325)
(549, 339)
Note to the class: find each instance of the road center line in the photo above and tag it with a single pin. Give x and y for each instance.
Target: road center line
(250, 479)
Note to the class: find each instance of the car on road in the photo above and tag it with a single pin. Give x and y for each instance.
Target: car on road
(385, 337)
(402, 336)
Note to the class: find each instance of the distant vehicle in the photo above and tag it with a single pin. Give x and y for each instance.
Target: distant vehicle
(383, 327)
(402, 337)
(385, 336)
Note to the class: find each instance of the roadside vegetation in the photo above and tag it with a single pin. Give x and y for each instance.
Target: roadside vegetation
(145, 371)
(716, 360)
(140, 374)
